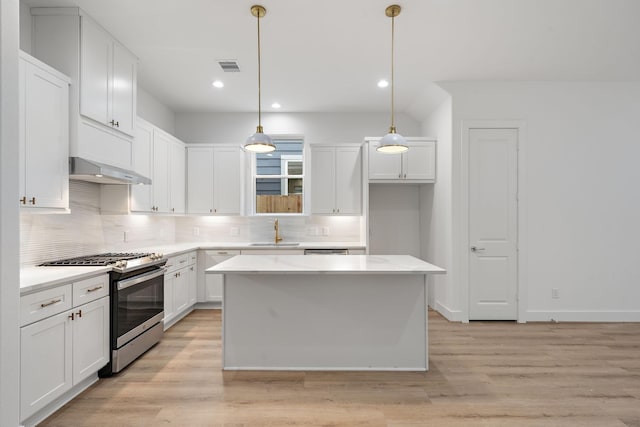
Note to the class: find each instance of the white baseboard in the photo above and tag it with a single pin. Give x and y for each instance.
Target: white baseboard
(208, 305)
(450, 315)
(582, 316)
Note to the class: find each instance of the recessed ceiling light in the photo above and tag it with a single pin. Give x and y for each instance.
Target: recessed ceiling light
(383, 83)
(275, 105)
(218, 84)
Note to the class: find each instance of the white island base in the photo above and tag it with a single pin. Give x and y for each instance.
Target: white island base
(296, 312)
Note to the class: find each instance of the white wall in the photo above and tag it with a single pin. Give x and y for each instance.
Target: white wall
(435, 209)
(9, 243)
(155, 112)
(316, 127)
(579, 205)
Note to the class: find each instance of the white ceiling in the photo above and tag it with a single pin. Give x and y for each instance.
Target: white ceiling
(328, 55)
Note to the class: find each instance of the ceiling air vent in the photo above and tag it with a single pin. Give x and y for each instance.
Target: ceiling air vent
(229, 65)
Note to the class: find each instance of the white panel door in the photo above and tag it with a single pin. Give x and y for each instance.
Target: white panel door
(141, 195)
(348, 180)
(199, 180)
(323, 180)
(493, 224)
(177, 175)
(95, 72)
(226, 180)
(161, 145)
(124, 89)
(90, 338)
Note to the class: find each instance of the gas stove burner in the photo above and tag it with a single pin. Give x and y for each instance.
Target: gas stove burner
(121, 261)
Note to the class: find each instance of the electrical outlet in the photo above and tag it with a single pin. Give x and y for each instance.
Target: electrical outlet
(196, 231)
(555, 293)
(235, 231)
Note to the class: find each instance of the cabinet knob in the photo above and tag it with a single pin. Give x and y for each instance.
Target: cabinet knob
(32, 201)
(405, 176)
(399, 175)
(23, 200)
(114, 123)
(72, 316)
(173, 209)
(211, 210)
(79, 313)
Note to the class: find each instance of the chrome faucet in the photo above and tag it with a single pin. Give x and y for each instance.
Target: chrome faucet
(277, 228)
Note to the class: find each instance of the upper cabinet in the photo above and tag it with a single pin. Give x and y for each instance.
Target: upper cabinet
(160, 156)
(417, 165)
(107, 79)
(336, 179)
(103, 103)
(43, 136)
(213, 179)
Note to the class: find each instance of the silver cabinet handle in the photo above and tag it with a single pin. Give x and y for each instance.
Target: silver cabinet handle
(94, 289)
(47, 304)
(476, 249)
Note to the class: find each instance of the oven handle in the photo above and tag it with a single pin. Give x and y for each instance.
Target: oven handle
(123, 284)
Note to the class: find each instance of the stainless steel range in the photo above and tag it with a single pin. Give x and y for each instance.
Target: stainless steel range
(137, 302)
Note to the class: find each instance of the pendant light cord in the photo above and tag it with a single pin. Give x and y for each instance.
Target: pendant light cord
(259, 83)
(393, 126)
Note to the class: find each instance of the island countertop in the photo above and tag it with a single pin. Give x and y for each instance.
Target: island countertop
(325, 264)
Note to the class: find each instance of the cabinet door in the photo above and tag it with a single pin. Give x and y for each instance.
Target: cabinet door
(348, 180)
(169, 312)
(419, 161)
(200, 180)
(323, 180)
(123, 89)
(226, 180)
(181, 290)
(95, 71)
(177, 178)
(90, 338)
(161, 146)
(193, 277)
(384, 165)
(45, 362)
(44, 137)
(141, 195)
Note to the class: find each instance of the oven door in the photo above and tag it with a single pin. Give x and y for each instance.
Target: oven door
(138, 305)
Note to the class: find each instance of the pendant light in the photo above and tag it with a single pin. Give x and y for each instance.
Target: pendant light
(392, 142)
(259, 142)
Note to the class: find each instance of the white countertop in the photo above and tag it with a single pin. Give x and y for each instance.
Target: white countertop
(327, 264)
(34, 278)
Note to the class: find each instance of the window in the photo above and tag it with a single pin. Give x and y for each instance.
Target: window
(279, 178)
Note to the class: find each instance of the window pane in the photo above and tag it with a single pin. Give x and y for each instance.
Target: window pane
(275, 163)
(278, 194)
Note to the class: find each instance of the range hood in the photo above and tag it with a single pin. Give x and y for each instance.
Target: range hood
(87, 170)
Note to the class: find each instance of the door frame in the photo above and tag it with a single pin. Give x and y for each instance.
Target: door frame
(521, 212)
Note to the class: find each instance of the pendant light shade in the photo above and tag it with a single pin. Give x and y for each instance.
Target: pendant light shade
(259, 142)
(392, 142)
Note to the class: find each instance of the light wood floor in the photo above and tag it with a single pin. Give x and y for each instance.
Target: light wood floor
(481, 374)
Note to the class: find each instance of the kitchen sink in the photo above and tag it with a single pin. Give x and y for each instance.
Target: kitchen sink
(275, 244)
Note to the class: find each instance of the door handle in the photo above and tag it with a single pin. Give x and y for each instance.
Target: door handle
(476, 249)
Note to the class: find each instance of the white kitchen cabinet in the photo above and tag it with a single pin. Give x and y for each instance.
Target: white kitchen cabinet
(103, 102)
(417, 165)
(43, 136)
(193, 277)
(61, 346)
(214, 180)
(160, 156)
(213, 282)
(336, 179)
(107, 79)
(177, 293)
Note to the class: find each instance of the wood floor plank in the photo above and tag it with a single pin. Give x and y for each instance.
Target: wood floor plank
(481, 374)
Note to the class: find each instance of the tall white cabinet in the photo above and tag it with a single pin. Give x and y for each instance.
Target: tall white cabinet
(161, 157)
(417, 165)
(43, 136)
(336, 179)
(214, 179)
(103, 103)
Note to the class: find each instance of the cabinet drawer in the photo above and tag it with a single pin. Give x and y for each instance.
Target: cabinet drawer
(91, 289)
(177, 262)
(37, 306)
(224, 252)
(193, 257)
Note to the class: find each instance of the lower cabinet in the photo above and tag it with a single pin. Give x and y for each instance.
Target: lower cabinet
(213, 282)
(179, 287)
(60, 351)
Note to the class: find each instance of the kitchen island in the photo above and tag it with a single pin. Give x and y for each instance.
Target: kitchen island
(319, 312)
